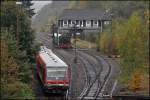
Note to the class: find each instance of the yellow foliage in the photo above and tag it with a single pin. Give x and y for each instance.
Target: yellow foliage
(9, 67)
(136, 82)
(11, 87)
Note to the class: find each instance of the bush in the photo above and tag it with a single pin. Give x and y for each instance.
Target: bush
(131, 40)
(16, 90)
(136, 80)
(14, 71)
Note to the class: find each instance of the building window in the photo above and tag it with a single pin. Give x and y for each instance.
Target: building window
(106, 22)
(69, 21)
(88, 23)
(61, 23)
(73, 22)
(95, 23)
(99, 23)
(65, 23)
(77, 23)
(84, 23)
(81, 23)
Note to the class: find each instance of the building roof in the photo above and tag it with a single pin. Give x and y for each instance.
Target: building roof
(50, 59)
(84, 14)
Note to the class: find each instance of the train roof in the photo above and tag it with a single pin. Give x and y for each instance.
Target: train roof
(50, 59)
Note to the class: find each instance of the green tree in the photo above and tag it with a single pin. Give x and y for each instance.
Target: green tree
(130, 39)
(134, 46)
(27, 6)
(11, 87)
(16, 63)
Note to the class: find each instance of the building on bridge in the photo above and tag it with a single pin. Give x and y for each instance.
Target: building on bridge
(87, 20)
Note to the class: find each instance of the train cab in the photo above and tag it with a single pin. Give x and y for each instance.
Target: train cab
(52, 71)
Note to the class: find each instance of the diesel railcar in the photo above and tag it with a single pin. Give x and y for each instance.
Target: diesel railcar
(52, 71)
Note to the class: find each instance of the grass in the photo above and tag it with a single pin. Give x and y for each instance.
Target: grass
(84, 44)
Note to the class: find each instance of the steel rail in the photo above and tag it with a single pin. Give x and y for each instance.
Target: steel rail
(88, 89)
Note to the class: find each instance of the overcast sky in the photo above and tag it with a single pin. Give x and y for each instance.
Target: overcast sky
(37, 5)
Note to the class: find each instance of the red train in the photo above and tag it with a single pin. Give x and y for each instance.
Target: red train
(52, 71)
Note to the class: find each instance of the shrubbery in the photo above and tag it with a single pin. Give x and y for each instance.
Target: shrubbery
(130, 40)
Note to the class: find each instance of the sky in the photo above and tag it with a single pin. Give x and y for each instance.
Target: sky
(37, 5)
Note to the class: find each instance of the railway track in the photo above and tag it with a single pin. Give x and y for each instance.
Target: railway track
(45, 40)
(64, 58)
(95, 85)
(77, 76)
(109, 89)
(92, 83)
(89, 77)
(97, 76)
(100, 94)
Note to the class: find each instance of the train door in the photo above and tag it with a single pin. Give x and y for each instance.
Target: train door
(41, 70)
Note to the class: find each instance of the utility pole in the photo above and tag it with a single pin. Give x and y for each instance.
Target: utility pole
(58, 37)
(53, 37)
(75, 37)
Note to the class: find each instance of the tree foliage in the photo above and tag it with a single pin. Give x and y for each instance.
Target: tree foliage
(16, 63)
(136, 81)
(11, 86)
(130, 39)
(27, 6)
(9, 68)
(122, 9)
(129, 36)
(9, 20)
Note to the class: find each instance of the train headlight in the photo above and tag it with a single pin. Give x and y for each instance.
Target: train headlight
(60, 84)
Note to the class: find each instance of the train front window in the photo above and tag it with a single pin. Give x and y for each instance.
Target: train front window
(56, 73)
